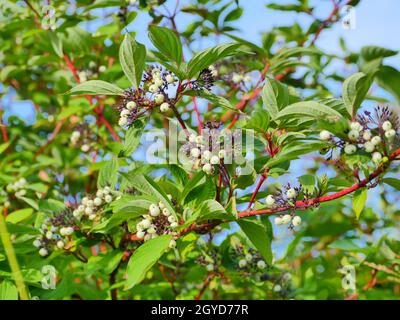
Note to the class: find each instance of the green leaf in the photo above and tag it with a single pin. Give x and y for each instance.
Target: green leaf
(259, 237)
(132, 57)
(218, 101)
(167, 42)
(359, 199)
(144, 258)
(275, 96)
(132, 138)
(19, 215)
(56, 43)
(96, 87)
(388, 78)
(108, 174)
(106, 263)
(8, 291)
(308, 109)
(393, 182)
(207, 57)
(259, 121)
(372, 52)
(355, 88)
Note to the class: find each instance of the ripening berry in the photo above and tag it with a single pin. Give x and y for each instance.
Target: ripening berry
(123, 121)
(278, 220)
(195, 152)
(350, 149)
(390, 133)
(81, 208)
(166, 212)
(158, 82)
(169, 197)
(277, 288)
(125, 113)
(172, 244)
(7, 204)
(199, 140)
(207, 168)
(249, 257)
(242, 263)
(140, 234)
(353, 135)
(60, 244)
(296, 221)
(269, 200)
(214, 71)
(161, 205)
(325, 135)
(386, 126)
(376, 140)
(85, 200)
(76, 213)
(108, 198)
(210, 267)
(106, 190)
(171, 219)
(49, 235)
(164, 107)
(102, 69)
(174, 224)
(43, 252)
(82, 76)
(236, 78)
(37, 243)
(152, 229)
(376, 157)
(206, 155)
(153, 88)
(170, 78)
(147, 237)
(286, 218)
(214, 160)
(69, 231)
(367, 135)
(97, 201)
(88, 210)
(261, 265)
(145, 223)
(369, 146)
(221, 154)
(75, 135)
(159, 98)
(154, 210)
(356, 126)
(85, 148)
(90, 203)
(131, 105)
(291, 193)
(63, 231)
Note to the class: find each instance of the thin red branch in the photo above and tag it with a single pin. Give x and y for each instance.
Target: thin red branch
(205, 285)
(54, 134)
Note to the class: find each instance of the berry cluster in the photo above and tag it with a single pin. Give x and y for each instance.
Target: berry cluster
(55, 232)
(210, 260)
(92, 71)
(238, 78)
(158, 221)
(251, 261)
(18, 187)
(83, 138)
(153, 93)
(373, 135)
(91, 205)
(283, 198)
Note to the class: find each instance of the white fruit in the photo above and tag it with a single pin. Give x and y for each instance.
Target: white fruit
(291, 193)
(123, 121)
(159, 98)
(92, 216)
(221, 154)
(161, 205)
(269, 200)
(43, 252)
(37, 243)
(140, 234)
(108, 198)
(170, 78)
(207, 168)
(296, 221)
(386, 126)
(192, 138)
(106, 190)
(152, 229)
(153, 88)
(367, 135)
(210, 267)
(90, 203)
(60, 244)
(131, 105)
(261, 265)
(164, 107)
(353, 135)
(277, 288)
(166, 212)
(174, 224)
(85, 200)
(171, 219)
(214, 160)
(154, 210)
(236, 78)
(49, 235)
(88, 210)
(249, 257)
(172, 244)
(376, 157)
(286, 218)
(147, 237)
(369, 146)
(247, 78)
(325, 135)
(76, 134)
(125, 113)
(376, 140)
(99, 193)
(97, 201)
(350, 149)
(81, 208)
(102, 69)
(390, 133)
(242, 263)
(195, 152)
(199, 139)
(278, 220)
(145, 223)
(158, 82)
(76, 213)
(356, 126)
(206, 155)
(69, 231)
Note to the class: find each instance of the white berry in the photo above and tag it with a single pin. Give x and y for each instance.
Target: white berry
(376, 140)
(154, 210)
(195, 152)
(207, 168)
(353, 135)
(390, 133)
(123, 121)
(291, 193)
(108, 198)
(376, 157)
(286, 218)
(172, 244)
(131, 105)
(296, 221)
(269, 200)
(242, 263)
(170, 78)
(325, 135)
(159, 98)
(164, 107)
(166, 212)
(43, 252)
(386, 126)
(355, 126)
(261, 265)
(278, 220)
(367, 135)
(350, 149)
(214, 160)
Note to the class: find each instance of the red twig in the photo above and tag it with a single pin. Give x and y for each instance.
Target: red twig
(262, 179)
(52, 137)
(205, 285)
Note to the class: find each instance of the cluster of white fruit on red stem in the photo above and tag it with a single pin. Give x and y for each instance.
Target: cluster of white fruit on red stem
(158, 221)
